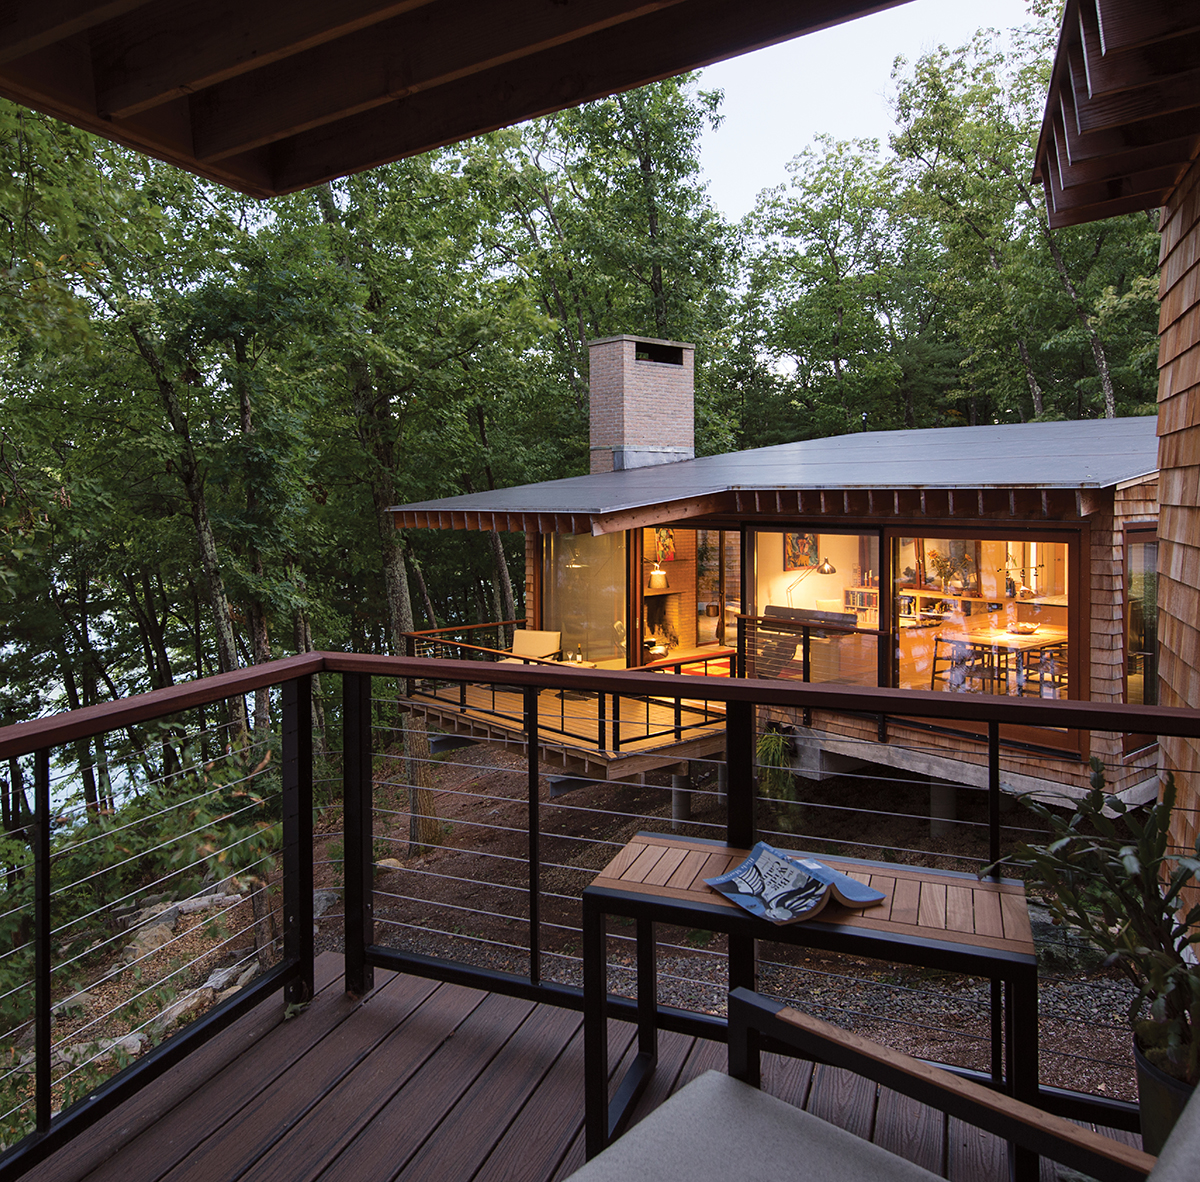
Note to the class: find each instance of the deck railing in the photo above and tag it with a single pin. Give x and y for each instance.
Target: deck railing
(611, 722)
(49, 741)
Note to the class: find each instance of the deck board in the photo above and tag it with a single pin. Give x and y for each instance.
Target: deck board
(440, 1083)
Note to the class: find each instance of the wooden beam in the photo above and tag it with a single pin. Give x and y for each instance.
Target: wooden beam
(1113, 165)
(1149, 185)
(393, 60)
(1180, 92)
(26, 28)
(1098, 143)
(1109, 73)
(856, 502)
(661, 514)
(177, 47)
(693, 34)
(58, 82)
(1127, 24)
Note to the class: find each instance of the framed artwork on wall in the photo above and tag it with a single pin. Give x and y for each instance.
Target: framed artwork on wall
(799, 551)
(664, 545)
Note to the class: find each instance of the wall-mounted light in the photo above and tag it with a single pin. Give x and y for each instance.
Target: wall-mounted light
(658, 579)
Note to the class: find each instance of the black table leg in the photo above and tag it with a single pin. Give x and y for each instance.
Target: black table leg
(595, 1030)
(1021, 1056)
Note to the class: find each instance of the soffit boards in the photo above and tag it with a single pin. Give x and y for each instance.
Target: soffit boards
(271, 96)
(1024, 471)
(1122, 120)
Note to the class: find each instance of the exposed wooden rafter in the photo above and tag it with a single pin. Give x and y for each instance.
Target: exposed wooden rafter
(269, 96)
(1122, 121)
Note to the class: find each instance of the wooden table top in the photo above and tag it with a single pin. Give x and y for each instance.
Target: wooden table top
(921, 903)
(1013, 641)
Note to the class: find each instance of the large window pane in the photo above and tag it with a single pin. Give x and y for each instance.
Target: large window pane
(979, 615)
(803, 579)
(1141, 619)
(584, 594)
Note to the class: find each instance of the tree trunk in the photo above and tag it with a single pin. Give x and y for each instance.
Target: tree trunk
(508, 609)
(304, 644)
(264, 923)
(210, 562)
(256, 616)
(1034, 389)
(83, 749)
(430, 615)
(376, 427)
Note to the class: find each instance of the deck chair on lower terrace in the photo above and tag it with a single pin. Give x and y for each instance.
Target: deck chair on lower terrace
(532, 642)
(722, 1128)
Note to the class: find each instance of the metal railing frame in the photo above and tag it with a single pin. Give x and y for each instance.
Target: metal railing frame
(609, 715)
(294, 974)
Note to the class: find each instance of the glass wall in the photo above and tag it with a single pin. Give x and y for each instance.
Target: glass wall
(690, 591)
(981, 615)
(1141, 617)
(718, 586)
(810, 578)
(583, 595)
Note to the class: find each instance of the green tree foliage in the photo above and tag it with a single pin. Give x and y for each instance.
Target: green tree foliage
(209, 403)
(1040, 321)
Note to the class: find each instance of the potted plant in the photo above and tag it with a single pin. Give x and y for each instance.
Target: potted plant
(1110, 874)
(775, 749)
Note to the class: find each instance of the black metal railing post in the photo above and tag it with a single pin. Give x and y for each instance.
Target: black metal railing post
(994, 857)
(357, 813)
(42, 937)
(298, 838)
(601, 721)
(535, 851)
(994, 794)
(739, 758)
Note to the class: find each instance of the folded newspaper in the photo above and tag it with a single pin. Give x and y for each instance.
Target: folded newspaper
(785, 888)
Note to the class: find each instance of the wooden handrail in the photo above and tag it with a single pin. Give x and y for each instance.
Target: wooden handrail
(58, 729)
(499, 652)
(467, 627)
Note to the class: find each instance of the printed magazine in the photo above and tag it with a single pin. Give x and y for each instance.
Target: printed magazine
(785, 888)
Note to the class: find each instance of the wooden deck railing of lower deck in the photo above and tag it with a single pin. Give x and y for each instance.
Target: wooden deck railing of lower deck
(294, 975)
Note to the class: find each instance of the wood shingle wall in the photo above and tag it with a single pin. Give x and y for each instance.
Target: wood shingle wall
(1179, 484)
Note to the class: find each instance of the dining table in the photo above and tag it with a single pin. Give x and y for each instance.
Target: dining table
(1007, 656)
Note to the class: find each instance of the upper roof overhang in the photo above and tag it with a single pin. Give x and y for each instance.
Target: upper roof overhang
(1122, 121)
(271, 96)
(1017, 472)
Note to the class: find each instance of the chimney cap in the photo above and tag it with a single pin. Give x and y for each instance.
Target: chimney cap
(626, 336)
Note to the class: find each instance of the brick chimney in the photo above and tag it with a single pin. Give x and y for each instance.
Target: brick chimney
(642, 404)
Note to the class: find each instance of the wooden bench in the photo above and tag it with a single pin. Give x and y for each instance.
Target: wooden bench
(930, 918)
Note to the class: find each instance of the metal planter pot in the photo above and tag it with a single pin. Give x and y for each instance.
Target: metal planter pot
(1161, 1098)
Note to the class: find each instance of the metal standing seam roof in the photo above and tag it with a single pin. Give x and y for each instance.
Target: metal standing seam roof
(1088, 454)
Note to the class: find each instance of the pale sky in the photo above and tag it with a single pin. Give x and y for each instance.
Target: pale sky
(837, 81)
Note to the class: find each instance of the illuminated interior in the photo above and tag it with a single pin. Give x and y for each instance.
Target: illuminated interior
(690, 594)
(982, 615)
(583, 595)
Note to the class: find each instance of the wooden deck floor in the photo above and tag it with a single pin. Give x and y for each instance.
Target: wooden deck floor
(436, 1083)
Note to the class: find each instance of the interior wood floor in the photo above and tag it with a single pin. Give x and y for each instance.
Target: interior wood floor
(438, 1083)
